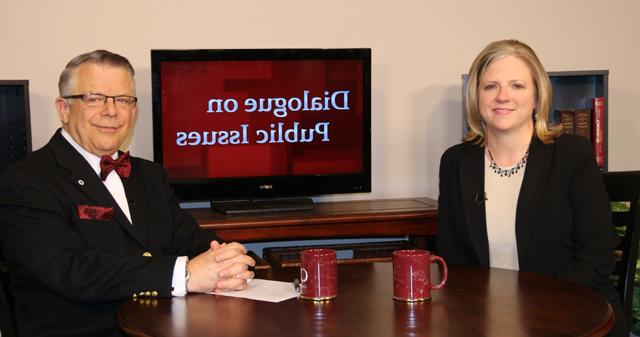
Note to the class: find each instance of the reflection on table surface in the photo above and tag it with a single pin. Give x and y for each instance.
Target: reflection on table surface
(475, 302)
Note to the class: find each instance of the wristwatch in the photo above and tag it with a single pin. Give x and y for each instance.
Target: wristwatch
(187, 274)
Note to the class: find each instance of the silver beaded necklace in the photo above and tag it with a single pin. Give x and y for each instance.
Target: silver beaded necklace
(510, 171)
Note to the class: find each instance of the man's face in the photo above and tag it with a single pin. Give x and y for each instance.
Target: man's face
(99, 130)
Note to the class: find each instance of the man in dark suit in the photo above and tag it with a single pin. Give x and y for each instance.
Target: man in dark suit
(83, 226)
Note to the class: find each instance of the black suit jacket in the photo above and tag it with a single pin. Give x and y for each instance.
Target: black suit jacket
(70, 274)
(563, 217)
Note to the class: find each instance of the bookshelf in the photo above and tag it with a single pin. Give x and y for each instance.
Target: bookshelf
(572, 90)
(15, 130)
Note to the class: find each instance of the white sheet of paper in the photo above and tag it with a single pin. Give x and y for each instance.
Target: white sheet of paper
(264, 290)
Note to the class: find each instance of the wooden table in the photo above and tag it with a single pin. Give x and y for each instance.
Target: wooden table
(475, 302)
(415, 217)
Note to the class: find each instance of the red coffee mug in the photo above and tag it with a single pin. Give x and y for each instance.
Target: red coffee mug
(411, 279)
(318, 274)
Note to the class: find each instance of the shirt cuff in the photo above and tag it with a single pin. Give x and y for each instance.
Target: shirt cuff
(178, 282)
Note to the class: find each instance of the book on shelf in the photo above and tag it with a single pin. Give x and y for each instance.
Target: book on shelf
(597, 132)
(587, 123)
(582, 123)
(576, 122)
(567, 120)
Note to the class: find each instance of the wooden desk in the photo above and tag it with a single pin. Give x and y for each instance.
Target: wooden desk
(385, 217)
(475, 302)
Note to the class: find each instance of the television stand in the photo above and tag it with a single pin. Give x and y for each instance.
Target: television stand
(262, 206)
(415, 217)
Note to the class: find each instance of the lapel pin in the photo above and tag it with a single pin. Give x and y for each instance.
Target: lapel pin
(80, 182)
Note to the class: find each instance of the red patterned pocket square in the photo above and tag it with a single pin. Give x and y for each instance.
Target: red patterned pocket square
(87, 212)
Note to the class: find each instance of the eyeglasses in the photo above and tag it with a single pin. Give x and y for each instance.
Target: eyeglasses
(99, 100)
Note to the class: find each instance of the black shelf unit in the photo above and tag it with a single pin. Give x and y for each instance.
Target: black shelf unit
(15, 126)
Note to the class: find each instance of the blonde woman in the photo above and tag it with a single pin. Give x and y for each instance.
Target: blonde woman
(517, 194)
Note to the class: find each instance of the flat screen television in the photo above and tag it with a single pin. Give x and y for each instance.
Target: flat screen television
(15, 128)
(253, 124)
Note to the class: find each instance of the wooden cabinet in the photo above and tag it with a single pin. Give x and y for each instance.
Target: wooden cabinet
(414, 217)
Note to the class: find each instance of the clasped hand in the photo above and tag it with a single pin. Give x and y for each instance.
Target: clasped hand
(223, 267)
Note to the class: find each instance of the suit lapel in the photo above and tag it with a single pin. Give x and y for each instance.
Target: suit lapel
(87, 181)
(472, 194)
(137, 206)
(533, 184)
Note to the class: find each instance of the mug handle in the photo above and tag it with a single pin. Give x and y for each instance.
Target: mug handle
(446, 271)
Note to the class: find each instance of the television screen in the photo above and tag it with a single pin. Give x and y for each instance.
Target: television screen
(15, 135)
(263, 123)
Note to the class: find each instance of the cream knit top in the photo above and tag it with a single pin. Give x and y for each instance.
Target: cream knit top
(500, 207)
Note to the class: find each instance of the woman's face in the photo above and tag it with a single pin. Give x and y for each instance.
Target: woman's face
(506, 97)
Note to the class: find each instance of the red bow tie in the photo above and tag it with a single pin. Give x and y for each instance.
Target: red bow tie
(122, 165)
